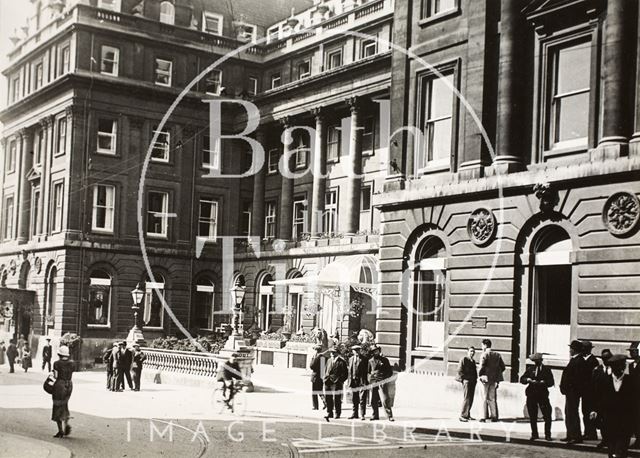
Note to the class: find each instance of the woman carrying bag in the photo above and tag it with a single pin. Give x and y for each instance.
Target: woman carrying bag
(61, 391)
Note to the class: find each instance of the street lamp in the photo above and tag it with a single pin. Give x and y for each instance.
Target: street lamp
(135, 334)
(237, 296)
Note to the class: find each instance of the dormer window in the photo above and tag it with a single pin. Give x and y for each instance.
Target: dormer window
(113, 5)
(247, 32)
(167, 13)
(273, 34)
(212, 23)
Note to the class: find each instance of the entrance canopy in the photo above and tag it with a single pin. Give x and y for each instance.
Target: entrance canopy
(359, 272)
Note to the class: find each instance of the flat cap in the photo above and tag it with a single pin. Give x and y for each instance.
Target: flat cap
(576, 345)
(586, 344)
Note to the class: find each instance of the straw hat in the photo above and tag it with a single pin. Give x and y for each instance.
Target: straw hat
(63, 351)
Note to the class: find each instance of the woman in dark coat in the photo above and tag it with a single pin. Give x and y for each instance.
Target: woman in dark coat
(62, 388)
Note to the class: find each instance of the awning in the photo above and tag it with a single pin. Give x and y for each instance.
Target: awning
(356, 271)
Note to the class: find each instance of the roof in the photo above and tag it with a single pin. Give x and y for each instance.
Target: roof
(269, 12)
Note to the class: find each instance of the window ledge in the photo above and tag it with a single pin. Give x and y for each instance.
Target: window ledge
(565, 151)
(439, 17)
(98, 326)
(434, 168)
(153, 328)
(102, 231)
(107, 153)
(157, 236)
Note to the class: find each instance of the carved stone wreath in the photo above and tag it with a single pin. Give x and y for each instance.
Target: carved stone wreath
(481, 226)
(621, 213)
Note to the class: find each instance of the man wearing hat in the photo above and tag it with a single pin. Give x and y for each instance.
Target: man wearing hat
(335, 376)
(590, 364)
(538, 379)
(358, 375)
(316, 367)
(125, 362)
(612, 407)
(468, 376)
(634, 371)
(116, 368)
(107, 359)
(599, 376)
(46, 355)
(137, 359)
(380, 374)
(572, 386)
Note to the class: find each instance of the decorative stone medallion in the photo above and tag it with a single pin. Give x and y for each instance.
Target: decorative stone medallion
(481, 226)
(38, 264)
(621, 213)
(13, 265)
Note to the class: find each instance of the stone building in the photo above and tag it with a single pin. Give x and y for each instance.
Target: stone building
(514, 215)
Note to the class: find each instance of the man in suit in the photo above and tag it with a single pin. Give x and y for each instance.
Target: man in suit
(634, 371)
(358, 379)
(334, 378)
(491, 369)
(572, 386)
(138, 358)
(116, 369)
(46, 355)
(599, 375)
(12, 352)
(380, 374)
(612, 407)
(316, 367)
(538, 379)
(125, 362)
(587, 395)
(468, 376)
(107, 359)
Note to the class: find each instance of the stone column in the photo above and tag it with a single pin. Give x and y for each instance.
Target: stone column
(46, 154)
(354, 169)
(26, 162)
(286, 191)
(616, 113)
(319, 172)
(257, 206)
(509, 152)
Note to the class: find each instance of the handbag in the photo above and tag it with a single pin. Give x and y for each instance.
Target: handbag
(48, 383)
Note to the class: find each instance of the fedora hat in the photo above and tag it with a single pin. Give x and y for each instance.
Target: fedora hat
(63, 351)
(634, 346)
(536, 357)
(576, 345)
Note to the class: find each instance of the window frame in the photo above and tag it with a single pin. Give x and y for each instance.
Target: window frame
(331, 212)
(215, 209)
(213, 153)
(254, 85)
(115, 62)
(272, 165)
(421, 150)
(160, 146)
(164, 216)
(270, 219)
(208, 78)
(117, 5)
(149, 289)
(15, 89)
(242, 35)
(65, 59)
(299, 223)
(367, 185)
(39, 146)
(426, 14)
(276, 77)
(38, 74)
(113, 135)
(61, 135)
(57, 207)
(34, 211)
(209, 288)
(301, 76)
(366, 151)
(218, 17)
(158, 72)
(109, 211)
(365, 43)
(168, 18)
(10, 160)
(8, 232)
(328, 64)
(100, 282)
(338, 143)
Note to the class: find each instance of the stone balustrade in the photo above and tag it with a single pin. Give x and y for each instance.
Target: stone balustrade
(182, 362)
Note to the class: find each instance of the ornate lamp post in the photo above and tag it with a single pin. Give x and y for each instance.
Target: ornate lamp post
(237, 296)
(135, 334)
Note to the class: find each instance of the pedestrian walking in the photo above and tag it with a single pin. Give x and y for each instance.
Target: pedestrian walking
(12, 354)
(468, 376)
(317, 382)
(107, 359)
(26, 358)
(62, 389)
(383, 387)
(116, 374)
(136, 366)
(614, 394)
(2, 352)
(358, 379)
(538, 379)
(588, 394)
(47, 352)
(634, 371)
(571, 385)
(126, 360)
(335, 376)
(599, 377)
(491, 369)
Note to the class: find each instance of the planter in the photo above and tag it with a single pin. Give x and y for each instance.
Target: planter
(299, 347)
(263, 343)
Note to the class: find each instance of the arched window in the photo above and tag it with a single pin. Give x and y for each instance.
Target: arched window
(99, 310)
(551, 311)
(153, 315)
(429, 292)
(204, 303)
(51, 291)
(295, 297)
(265, 304)
(167, 13)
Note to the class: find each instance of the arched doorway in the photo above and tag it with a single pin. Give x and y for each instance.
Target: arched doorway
(265, 302)
(294, 298)
(550, 308)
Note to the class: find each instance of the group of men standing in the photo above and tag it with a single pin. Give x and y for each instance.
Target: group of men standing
(122, 362)
(365, 371)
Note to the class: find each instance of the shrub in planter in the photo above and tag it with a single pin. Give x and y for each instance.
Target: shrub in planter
(271, 340)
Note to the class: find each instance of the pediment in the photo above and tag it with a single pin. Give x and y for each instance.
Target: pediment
(34, 174)
(554, 14)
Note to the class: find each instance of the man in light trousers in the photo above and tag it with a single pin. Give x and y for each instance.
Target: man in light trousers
(491, 369)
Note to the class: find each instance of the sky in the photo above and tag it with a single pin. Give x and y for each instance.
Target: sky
(13, 15)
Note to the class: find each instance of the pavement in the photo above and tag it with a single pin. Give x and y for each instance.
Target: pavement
(280, 396)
